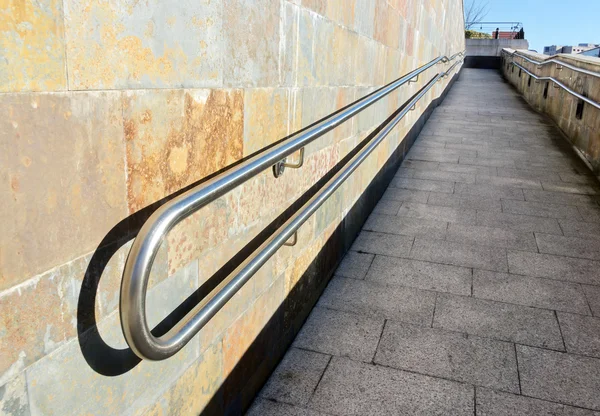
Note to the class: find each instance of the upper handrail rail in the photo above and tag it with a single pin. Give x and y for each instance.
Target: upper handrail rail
(555, 61)
(560, 84)
(151, 235)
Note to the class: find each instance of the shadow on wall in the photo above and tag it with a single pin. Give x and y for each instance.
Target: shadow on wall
(111, 362)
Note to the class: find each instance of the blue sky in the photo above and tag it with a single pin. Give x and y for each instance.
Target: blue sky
(550, 22)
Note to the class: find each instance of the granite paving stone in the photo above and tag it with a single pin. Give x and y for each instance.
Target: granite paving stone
(340, 333)
(497, 320)
(592, 294)
(581, 333)
(382, 243)
(525, 223)
(568, 246)
(263, 407)
(353, 388)
(405, 195)
(437, 213)
(489, 191)
(497, 403)
(465, 201)
(540, 209)
(590, 212)
(296, 377)
(406, 226)
(387, 206)
(450, 355)
(558, 197)
(355, 265)
(368, 298)
(491, 236)
(530, 291)
(423, 185)
(580, 229)
(420, 274)
(446, 176)
(458, 254)
(565, 378)
(555, 267)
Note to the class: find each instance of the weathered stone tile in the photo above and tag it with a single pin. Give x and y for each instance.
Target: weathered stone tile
(355, 388)
(340, 333)
(465, 201)
(448, 176)
(386, 24)
(405, 195)
(387, 207)
(13, 397)
(557, 197)
(33, 46)
(296, 377)
(529, 291)
(489, 236)
(580, 229)
(590, 212)
(56, 381)
(539, 209)
(437, 213)
(581, 334)
(41, 314)
(194, 391)
(176, 137)
(457, 254)
(265, 117)
(354, 265)
(251, 59)
(262, 407)
(364, 17)
(554, 267)
(484, 161)
(57, 183)
(289, 52)
(528, 174)
(381, 243)
(405, 226)
(432, 157)
(496, 320)
(559, 377)
(488, 191)
(238, 338)
(154, 45)
(420, 165)
(568, 246)
(592, 293)
(523, 223)
(423, 185)
(449, 355)
(571, 188)
(509, 182)
(420, 274)
(496, 403)
(379, 301)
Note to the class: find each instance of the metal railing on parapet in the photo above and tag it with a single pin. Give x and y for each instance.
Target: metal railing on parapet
(145, 247)
(556, 82)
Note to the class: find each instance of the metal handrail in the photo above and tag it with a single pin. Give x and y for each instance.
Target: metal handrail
(145, 247)
(560, 84)
(555, 61)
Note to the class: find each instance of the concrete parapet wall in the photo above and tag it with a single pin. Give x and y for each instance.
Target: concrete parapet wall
(493, 47)
(583, 133)
(110, 109)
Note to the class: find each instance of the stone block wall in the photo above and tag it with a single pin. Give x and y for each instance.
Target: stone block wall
(111, 108)
(584, 132)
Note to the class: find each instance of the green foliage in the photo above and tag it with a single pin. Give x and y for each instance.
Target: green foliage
(472, 34)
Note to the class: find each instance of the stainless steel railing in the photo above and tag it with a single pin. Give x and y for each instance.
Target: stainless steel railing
(558, 84)
(553, 61)
(145, 247)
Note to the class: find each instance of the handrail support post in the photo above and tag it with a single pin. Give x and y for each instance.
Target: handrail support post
(280, 166)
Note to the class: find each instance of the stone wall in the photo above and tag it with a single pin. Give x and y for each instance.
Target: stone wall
(109, 109)
(584, 132)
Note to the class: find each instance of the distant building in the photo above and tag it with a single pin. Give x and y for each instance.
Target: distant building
(582, 47)
(592, 52)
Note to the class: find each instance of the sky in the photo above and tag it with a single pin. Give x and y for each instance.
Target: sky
(550, 22)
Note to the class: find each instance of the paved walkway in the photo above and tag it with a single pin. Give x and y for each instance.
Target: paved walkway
(473, 286)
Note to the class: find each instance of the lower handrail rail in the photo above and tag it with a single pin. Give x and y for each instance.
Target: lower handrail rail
(145, 247)
(555, 61)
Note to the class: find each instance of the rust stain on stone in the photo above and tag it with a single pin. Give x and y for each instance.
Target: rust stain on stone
(197, 133)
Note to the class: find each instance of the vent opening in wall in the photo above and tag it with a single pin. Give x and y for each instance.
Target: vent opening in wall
(529, 81)
(513, 69)
(579, 109)
(519, 72)
(546, 90)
